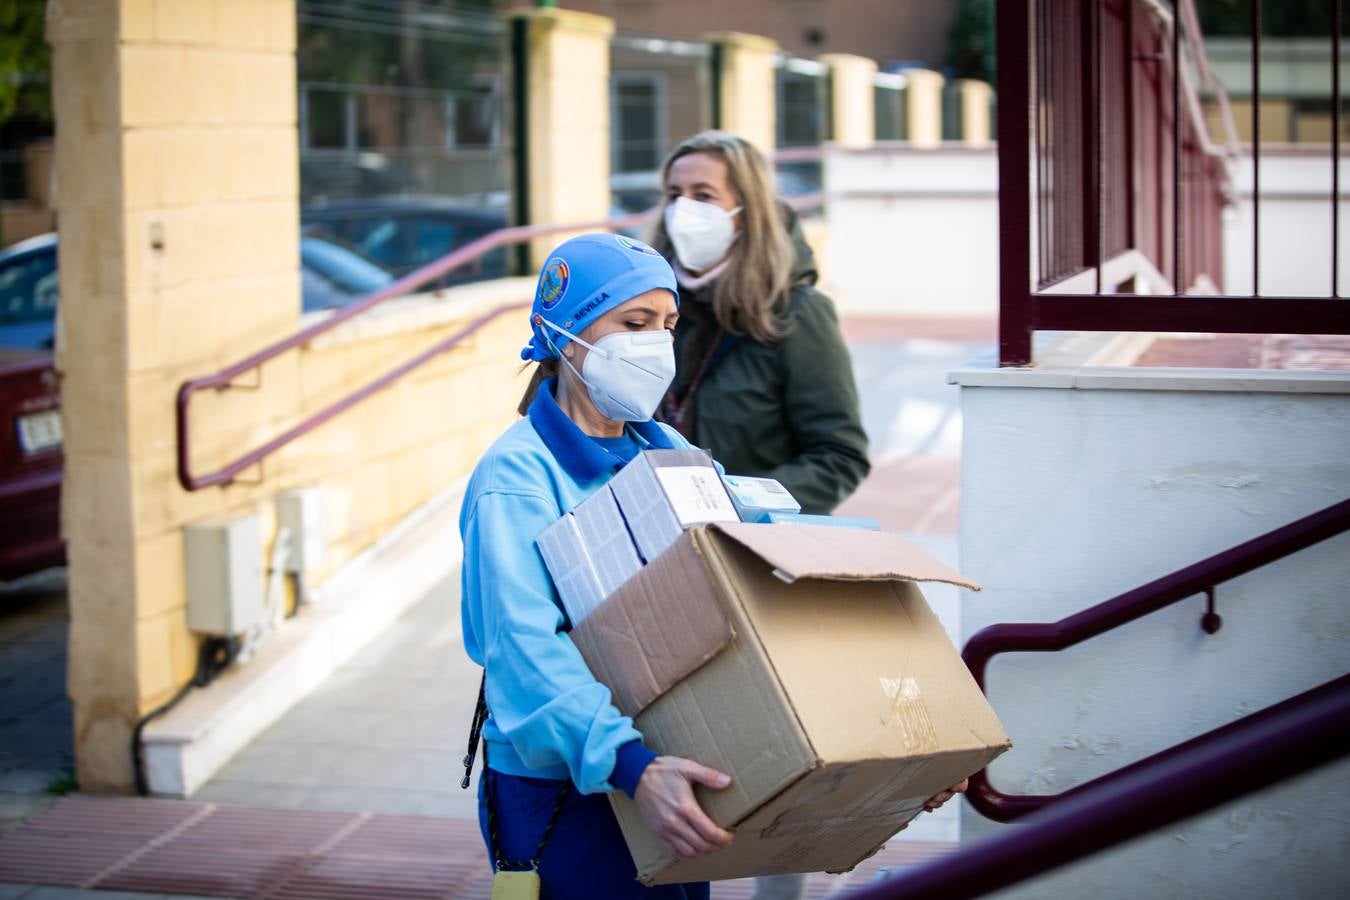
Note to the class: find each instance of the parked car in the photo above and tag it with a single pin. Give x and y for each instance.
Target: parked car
(30, 394)
(330, 275)
(30, 464)
(402, 234)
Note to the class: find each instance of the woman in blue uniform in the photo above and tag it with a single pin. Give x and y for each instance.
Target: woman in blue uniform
(602, 317)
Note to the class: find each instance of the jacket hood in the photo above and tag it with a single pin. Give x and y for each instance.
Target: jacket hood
(804, 265)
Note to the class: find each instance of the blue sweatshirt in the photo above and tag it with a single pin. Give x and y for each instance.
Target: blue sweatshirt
(549, 717)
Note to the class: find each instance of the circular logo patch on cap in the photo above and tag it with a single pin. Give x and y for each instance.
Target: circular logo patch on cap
(553, 282)
(636, 246)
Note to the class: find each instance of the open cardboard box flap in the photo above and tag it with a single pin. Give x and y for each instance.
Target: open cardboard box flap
(840, 554)
(668, 619)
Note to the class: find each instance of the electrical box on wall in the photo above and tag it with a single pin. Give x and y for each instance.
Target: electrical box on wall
(224, 575)
(300, 513)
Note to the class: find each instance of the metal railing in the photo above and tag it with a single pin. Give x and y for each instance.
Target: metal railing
(1255, 752)
(228, 378)
(1112, 188)
(1199, 578)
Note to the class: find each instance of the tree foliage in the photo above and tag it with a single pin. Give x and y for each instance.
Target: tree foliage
(970, 43)
(1279, 18)
(25, 61)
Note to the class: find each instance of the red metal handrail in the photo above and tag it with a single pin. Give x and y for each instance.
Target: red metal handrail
(1257, 751)
(1199, 578)
(225, 378)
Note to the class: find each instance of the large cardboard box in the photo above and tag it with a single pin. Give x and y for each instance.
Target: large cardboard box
(804, 661)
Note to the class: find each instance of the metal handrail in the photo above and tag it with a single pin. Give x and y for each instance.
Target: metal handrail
(225, 378)
(1255, 752)
(1198, 578)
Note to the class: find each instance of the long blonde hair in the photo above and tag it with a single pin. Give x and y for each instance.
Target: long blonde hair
(750, 296)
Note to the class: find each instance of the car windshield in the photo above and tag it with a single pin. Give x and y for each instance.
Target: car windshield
(28, 288)
(345, 269)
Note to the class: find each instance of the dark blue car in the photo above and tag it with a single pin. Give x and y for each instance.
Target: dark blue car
(330, 275)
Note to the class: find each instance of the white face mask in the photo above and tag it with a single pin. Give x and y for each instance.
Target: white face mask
(626, 373)
(701, 232)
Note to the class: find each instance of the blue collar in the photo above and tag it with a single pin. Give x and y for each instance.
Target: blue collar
(581, 457)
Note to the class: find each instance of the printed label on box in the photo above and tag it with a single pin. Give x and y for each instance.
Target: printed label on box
(696, 495)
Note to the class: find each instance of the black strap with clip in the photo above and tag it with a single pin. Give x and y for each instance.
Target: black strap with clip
(494, 846)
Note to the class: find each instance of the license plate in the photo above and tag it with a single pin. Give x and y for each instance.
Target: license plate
(40, 431)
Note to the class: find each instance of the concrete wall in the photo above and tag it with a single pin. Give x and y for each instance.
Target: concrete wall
(913, 232)
(1078, 485)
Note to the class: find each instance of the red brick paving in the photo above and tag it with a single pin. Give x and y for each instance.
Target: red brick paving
(212, 850)
(1325, 352)
(912, 494)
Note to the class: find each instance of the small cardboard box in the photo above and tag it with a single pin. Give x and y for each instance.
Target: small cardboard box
(803, 661)
(663, 492)
(589, 553)
(758, 498)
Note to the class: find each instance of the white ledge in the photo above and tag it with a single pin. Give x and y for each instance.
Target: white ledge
(1074, 361)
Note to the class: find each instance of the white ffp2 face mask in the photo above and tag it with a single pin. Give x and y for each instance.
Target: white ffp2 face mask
(626, 373)
(701, 232)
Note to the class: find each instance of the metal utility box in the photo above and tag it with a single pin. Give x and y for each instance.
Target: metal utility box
(225, 578)
(300, 514)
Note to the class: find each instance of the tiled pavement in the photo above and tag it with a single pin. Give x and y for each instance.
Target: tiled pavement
(185, 848)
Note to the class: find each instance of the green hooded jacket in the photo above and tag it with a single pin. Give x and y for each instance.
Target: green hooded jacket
(787, 410)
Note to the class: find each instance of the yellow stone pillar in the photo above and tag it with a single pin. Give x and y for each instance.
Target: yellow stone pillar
(925, 107)
(178, 211)
(567, 119)
(852, 104)
(975, 112)
(746, 98)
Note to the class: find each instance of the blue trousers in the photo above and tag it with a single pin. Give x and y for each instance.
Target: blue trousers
(585, 859)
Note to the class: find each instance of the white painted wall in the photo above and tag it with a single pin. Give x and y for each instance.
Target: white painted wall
(912, 232)
(1296, 226)
(1078, 485)
(915, 232)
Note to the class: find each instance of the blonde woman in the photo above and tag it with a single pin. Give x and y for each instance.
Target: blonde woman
(763, 378)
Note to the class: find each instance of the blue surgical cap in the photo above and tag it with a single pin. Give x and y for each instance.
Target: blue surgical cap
(586, 277)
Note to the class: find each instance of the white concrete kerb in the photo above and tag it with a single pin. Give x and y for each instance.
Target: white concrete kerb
(184, 748)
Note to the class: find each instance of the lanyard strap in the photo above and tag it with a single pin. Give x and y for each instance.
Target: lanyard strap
(494, 846)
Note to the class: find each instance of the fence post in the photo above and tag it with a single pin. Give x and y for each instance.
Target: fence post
(746, 101)
(925, 107)
(852, 104)
(976, 105)
(562, 115)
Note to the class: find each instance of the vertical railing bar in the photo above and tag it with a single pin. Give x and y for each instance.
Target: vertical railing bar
(1178, 276)
(1097, 121)
(1256, 148)
(1336, 148)
(1016, 124)
(1132, 237)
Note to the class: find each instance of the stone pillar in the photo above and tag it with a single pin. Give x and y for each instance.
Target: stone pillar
(975, 112)
(851, 102)
(566, 60)
(746, 98)
(925, 107)
(178, 213)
